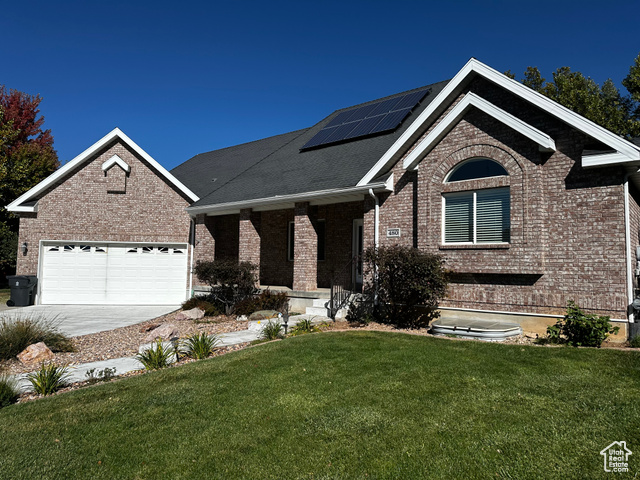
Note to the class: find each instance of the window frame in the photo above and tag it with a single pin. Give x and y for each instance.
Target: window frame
(474, 216)
(472, 187)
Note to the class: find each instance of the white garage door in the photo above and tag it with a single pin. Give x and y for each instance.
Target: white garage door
(113, 274)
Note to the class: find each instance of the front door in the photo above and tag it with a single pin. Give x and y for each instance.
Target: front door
(358, 242)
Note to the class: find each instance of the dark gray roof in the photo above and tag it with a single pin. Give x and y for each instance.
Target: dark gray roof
(276, 166)
(636, 141)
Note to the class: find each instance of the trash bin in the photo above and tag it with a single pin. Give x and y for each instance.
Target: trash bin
(22, 290)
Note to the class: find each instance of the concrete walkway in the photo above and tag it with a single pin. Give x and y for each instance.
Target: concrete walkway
(77, 373)
(76, 320)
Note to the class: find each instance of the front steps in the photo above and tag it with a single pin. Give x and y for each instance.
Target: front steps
(321, 308)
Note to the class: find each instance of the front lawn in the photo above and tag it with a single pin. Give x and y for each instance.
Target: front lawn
(341, 405)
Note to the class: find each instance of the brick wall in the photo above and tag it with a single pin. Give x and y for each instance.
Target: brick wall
(81, 208)
(567, 223)
(275, 268)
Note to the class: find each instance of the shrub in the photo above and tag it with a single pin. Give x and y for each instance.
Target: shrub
(360, 311)
(230, 281)
(635, 342)
(271, 331)
(17, 333)
(200, 345)
(9, 391)
(267, 300)
(95, 376)
(204, 303)
(49, 378)
(579, 329)
(157, 356)
(410, 284)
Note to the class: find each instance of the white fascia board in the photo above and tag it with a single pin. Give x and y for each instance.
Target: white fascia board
(325, 195)
(116, 160)
(604, 159)
(545, 142)
(473, 66)
(69, 166)
(22, 208)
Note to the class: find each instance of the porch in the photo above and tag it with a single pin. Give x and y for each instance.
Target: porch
(301, 250)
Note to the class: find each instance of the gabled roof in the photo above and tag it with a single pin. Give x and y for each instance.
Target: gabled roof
(28, 201)
(624, 151)
(276, 167)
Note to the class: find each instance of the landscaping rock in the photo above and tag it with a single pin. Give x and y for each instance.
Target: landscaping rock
(242, 318)
(193, 314)
(164, 332)
(263, 315)
(36, 353)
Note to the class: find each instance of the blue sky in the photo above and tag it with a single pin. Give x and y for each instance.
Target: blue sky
(181, 78)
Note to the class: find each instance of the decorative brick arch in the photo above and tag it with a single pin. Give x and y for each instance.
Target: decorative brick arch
(516, 181)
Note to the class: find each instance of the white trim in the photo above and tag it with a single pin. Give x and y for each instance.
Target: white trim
(115, 160)
(296, 197)
(445, 125)
(627, 238)
(602, 159)
(22, 208)
(455, 86)
(68, 167)
(524, 314)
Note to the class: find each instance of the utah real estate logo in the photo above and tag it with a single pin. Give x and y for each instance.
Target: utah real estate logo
(616, 457)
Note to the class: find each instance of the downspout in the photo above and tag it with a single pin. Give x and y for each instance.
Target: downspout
(376, 241)
(627, 228)
(193, 247)
(376, 221)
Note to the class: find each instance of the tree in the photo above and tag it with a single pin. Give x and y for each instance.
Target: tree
(27, 156)
(604, 105)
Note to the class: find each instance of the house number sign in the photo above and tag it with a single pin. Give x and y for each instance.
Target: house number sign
(393, 232)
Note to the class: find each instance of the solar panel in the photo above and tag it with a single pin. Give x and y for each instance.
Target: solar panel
(367, 120)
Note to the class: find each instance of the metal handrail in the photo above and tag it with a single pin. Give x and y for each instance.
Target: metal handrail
(339, 292)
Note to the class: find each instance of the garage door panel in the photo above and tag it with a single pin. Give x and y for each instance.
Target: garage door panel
(113, 274)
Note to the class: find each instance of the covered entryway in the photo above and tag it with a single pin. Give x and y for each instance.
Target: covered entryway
(112, 273)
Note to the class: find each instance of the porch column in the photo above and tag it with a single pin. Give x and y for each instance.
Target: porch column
(205, 244)
(305, 250)
(249, 238)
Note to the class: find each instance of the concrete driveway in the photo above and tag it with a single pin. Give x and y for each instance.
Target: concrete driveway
(76, 320)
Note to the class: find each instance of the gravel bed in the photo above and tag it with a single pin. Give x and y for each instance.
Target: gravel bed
(124, 341)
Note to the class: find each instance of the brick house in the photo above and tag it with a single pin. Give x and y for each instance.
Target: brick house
(531, 204)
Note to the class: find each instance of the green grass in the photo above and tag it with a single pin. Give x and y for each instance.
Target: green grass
(341, 405)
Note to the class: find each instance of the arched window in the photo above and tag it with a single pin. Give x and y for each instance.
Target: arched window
(476, 168)
(480, 215)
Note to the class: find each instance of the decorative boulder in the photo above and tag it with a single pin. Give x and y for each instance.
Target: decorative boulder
(36, 353)
(193, 314)
(164, 332)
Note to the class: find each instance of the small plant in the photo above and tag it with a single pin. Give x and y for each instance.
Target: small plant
(579, 329)
(9, 391)
(49, 378)
(95, 376)
(200, 345)
(635, 341)
(17, 333)
(157, 356)
(304, 326)
(271, 331)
